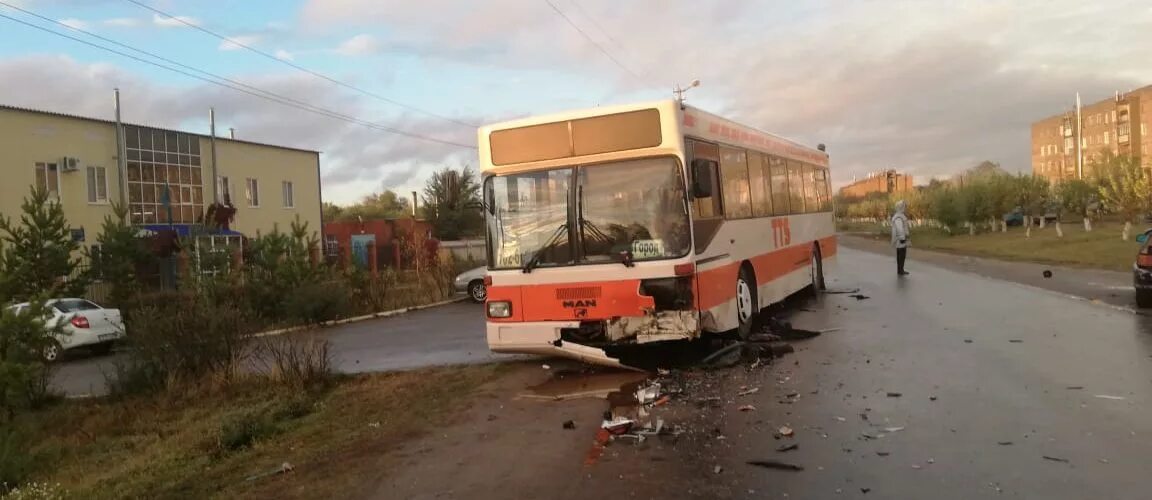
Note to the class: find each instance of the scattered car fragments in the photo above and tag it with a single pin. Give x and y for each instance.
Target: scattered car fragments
(775, 464)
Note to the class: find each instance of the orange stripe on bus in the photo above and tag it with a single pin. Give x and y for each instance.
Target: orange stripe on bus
(718, 285)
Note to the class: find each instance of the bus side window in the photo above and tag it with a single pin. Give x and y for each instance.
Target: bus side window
(709, 207)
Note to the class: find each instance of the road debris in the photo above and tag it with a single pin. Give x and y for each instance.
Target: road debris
(1016, 341)
(841, 419)
(747, 392)
(1047, 273)
(895, 394)
(932, 398)
(867, 436)
(883, 453)
(618, 425)
(787, 447)
(374, 425)
(893, 429)
(1055, 459)
(747, 408)
(786, 431)
(858, 296)
(717, 469)
(967, 341)
(284, 468)
(546, 367)
(644, 395)
(865, 490)
(1004, 443)
(663, 400)
(1074, 387)
(568, 424)
(917, 467)
(833, 291)
(774, 464)
(1106, 396)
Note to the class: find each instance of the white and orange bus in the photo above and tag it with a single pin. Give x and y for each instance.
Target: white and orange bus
(644, 223)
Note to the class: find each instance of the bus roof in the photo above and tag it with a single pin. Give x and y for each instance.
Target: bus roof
(691, 121)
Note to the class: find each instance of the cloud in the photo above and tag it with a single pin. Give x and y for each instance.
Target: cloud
(355, 159)
(884, 83)
(74, 23)
(122, 22)
(284, 55)
(359, 45)
(174, 21)
(237, 42)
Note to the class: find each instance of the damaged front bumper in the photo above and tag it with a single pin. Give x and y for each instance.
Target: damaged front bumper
(585, 341)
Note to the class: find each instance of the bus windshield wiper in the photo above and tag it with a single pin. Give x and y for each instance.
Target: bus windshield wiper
(531, 264)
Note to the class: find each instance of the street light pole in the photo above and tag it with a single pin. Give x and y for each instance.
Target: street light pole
(680, 91)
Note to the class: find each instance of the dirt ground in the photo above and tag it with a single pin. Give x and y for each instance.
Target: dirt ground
(511, 442)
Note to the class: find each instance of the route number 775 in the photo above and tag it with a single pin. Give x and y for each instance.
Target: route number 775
(781, 233)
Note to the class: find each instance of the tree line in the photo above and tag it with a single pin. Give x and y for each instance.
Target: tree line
(450, 202)
(982, 197)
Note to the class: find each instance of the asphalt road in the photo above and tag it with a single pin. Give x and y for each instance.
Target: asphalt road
(451, 334)
(992, 377)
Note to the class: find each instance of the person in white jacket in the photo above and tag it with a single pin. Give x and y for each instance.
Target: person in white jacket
(900, 236)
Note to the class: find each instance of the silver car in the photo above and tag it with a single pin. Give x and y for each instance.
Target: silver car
(472, 283)
(85, 323)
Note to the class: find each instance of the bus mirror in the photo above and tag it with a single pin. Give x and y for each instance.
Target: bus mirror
(702, 178)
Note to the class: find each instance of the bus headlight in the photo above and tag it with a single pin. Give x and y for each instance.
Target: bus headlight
(500, 309)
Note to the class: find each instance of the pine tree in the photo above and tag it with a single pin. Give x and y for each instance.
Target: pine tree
(38, 252)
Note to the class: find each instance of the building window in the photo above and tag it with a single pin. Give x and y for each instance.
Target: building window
(1107, 138)
(252, 192)
(224, 189)
(97, 185)
(163, 176)
(286, 191)
(48, 179)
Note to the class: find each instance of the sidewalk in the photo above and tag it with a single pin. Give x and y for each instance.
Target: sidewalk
(1108, 287)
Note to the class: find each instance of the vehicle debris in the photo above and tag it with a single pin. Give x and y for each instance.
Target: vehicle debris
(1106, 396)
(1074, 387)
(1016, 341)
(747, 408)
(618, 425)
(786, 431)
(1056, 459)
(546, 367)
(747, 392)
(893, 429)
(932, 398)
(774, 464)
(841, 419)
(883, 453)
(895, 394)
(284, 468)
(860, 297)
(867, 436)
(644, 395)
(568, 424)
(865, 490)
(787, 447)
(833, 291)
(717, 469)
(374, 425)
(967, 341)
(917, 467)
(1047, 273)
(1004, 443)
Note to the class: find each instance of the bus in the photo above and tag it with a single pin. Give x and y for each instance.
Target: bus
(644, 223)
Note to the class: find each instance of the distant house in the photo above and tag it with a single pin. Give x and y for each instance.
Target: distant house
(887, 181)
(385, 234)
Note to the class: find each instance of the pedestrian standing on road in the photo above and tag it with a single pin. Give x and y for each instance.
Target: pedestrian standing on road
(900, 236)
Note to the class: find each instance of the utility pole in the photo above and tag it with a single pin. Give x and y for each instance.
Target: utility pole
(121, 166)
(212, 147)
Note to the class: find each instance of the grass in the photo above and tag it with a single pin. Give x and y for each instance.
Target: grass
(1101, 248)
(205, 443)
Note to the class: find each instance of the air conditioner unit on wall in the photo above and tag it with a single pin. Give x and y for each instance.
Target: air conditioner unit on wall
(69, 164)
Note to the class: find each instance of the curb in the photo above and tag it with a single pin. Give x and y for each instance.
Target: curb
(355, 319)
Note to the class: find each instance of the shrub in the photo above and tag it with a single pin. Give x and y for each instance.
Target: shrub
(299, 362)
(244, 431)
(315, 303)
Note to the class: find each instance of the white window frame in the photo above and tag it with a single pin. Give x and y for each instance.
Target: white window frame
(252, 192)
(53, 191)
(288, 194)
(91, 173)
(223, 190)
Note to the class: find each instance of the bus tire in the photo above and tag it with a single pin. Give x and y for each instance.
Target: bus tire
(816, 269)
(746, 305)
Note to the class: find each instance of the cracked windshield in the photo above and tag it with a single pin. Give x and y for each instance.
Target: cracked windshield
(367, 249)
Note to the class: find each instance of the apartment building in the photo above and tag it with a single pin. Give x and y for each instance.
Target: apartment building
(886, 181)
(1067, 145)
(167, 178)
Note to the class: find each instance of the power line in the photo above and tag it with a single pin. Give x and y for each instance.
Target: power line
(585, 34)
(599, 28)
(256, 92)
(297, 66)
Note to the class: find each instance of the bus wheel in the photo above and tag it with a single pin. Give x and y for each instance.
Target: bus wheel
(746, 306)
(816, 269)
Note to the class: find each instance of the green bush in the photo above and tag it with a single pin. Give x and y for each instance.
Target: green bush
(244, 431)
(315, 303)
(17, 462)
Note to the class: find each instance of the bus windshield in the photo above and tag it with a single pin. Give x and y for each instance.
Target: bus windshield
(636, 206)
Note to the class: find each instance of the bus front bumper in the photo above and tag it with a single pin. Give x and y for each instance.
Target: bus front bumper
(544, 338)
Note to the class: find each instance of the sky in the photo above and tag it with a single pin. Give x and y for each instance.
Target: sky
(925, 87)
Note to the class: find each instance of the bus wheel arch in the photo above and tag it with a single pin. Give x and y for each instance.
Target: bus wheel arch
(747, 297)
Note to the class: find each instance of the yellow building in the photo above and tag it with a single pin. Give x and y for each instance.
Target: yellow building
(75, 159)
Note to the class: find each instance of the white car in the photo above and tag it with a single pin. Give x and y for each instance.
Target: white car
(472, 283)
(85, 325)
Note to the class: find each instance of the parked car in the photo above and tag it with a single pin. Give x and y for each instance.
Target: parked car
(1142, 270)
(1015, 217)
(86, 324)
(472, 283)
